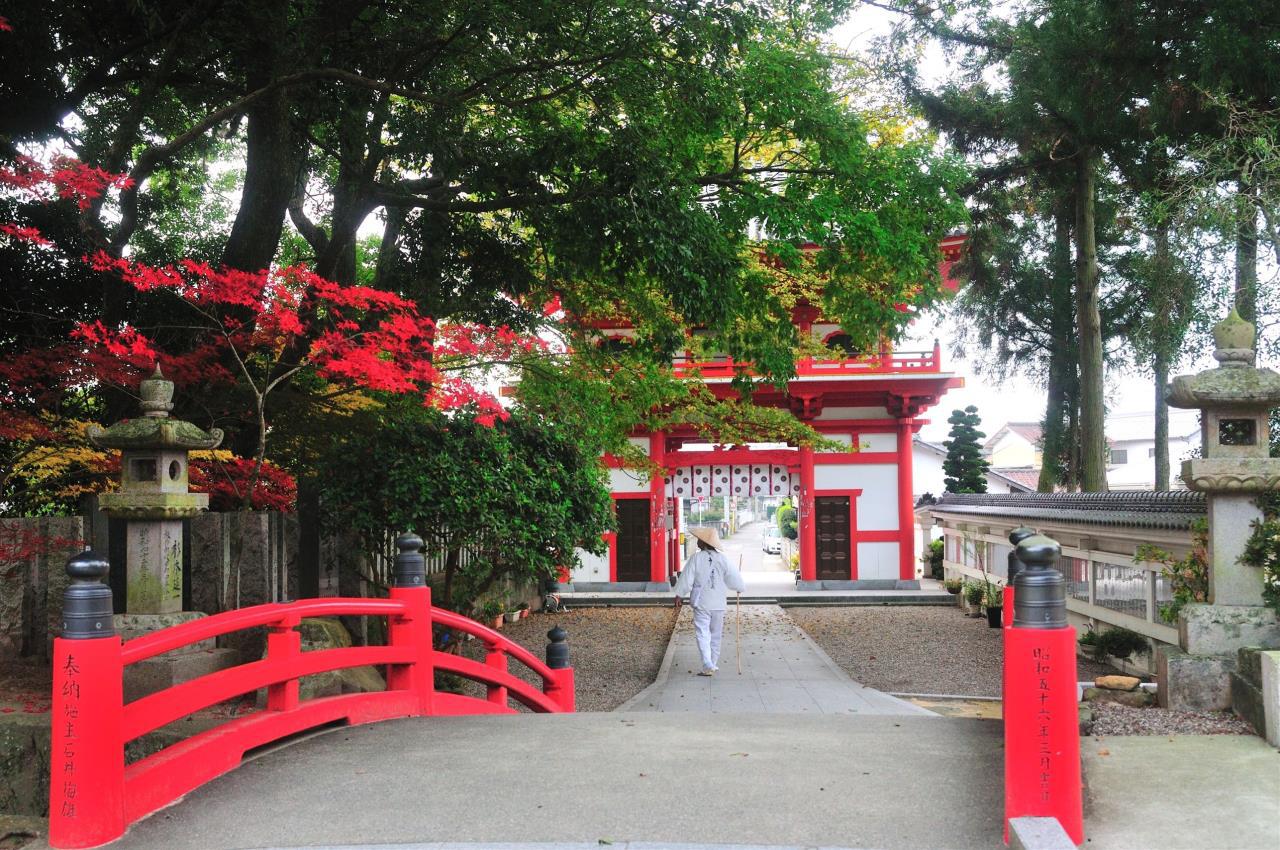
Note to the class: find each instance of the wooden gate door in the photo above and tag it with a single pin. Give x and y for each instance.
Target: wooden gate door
(633, 539)
(832, 515)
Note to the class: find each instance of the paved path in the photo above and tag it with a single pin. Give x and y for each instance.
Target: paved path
(892, 783)
(783, 672)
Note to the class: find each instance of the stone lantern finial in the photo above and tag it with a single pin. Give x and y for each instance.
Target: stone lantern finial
(157, 394)
(1234, 339)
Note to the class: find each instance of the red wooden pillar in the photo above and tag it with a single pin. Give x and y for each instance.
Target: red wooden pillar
(906, 507)
(808, 528)
(86, 746)
(657, 510)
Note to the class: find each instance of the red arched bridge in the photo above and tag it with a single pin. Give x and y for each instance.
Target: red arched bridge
(94, 796)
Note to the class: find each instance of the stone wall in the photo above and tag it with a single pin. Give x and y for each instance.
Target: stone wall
(31, 588)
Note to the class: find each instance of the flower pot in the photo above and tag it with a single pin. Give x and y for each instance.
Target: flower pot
(496, 622)
(953, 590)
(512, 616)
(993, 615)
(524, 612)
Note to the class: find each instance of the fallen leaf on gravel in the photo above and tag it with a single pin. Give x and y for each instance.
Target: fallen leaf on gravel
(1104, 752)
(744, 755)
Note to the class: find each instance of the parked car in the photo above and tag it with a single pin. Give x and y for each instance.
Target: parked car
(772, 543)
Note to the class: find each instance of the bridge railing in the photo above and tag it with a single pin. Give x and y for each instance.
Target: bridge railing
(94, 796)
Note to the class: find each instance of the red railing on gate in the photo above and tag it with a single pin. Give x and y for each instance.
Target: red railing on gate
(94, 796)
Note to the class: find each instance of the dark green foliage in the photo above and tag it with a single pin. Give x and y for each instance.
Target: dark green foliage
(934, 556)
(965, 466)
(1121, 643)
(524, 493)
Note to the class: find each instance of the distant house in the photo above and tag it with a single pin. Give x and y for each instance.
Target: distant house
(1131, 462)
(929, 477)
(1015, 445)
(1015, 450)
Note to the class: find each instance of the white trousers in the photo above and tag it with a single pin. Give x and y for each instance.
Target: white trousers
(708, 627)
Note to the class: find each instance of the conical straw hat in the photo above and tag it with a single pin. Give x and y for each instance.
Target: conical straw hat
(708, 536)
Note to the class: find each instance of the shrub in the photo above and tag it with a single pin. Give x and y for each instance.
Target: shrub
(974, 592)
(1121, 643)
(1189, 577)
(934, 558)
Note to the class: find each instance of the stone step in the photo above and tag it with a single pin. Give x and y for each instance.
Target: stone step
(1249, 665)
(1246, 701)
(173, 668)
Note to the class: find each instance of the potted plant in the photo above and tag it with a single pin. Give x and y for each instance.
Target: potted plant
(973, 593)
(491, 613)
(953, 585)
(993, 601)
(523, 610)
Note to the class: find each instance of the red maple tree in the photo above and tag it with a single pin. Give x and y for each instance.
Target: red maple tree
(259, 329)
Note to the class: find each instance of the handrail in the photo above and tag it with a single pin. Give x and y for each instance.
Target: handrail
(151, 712)
(216, 625)
(516, 688)
(510, 647)
(867, 364)
(93, 797)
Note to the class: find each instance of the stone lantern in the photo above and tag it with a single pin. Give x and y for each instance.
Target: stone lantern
(153, 494)
(1234, 401)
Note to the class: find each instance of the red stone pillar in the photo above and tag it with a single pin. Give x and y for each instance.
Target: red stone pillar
(906, 506)
(808, 526)
(658, 510)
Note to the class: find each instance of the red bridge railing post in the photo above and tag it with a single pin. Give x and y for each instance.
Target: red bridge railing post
(284, 642)
(414, 630)
(86, 771)
(560, 685)
(1041, 725)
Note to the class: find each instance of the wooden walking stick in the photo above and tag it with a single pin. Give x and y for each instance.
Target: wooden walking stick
(738, 626)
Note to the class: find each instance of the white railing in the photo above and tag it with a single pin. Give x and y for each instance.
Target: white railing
(1100, 535)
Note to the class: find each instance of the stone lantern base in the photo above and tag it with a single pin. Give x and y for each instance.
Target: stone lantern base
(172, 668)
(1198, 675)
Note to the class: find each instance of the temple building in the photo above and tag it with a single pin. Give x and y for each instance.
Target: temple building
(855, 508)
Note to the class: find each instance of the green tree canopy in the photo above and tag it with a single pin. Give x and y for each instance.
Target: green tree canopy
(519, 497)
(614, 157)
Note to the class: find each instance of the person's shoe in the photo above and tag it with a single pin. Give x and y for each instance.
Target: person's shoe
(706, 671)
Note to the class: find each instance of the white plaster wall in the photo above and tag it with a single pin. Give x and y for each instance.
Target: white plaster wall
(592, 568)
(995, 485)
(842, 439)
(627, 481)
(642, 443)
(878, 504)
(926, 472)
(853, 413)
(879, 442)
(877, 560)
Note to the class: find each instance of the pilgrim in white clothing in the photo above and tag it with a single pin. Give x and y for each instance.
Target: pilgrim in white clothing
(707, 578)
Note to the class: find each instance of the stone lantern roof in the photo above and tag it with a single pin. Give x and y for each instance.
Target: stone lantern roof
(154, 430)
(1236, 382)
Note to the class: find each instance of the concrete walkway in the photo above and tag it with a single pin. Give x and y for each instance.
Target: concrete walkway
(887, 782)
(783, 672)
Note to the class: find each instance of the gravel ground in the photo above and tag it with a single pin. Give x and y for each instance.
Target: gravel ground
(615, 652)
(1113, 719)
(915, 649)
